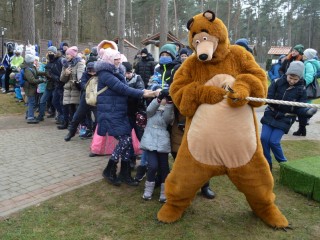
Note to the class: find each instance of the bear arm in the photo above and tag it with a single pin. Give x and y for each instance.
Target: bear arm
(246, 85)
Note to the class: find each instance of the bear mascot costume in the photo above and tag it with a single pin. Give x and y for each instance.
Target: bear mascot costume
(221, 134)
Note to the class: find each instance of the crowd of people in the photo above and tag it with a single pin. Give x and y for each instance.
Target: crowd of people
(134, 98)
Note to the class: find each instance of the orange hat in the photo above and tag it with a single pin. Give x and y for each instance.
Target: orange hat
(86, 51)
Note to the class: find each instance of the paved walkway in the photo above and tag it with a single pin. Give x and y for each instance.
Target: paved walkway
(37, 164)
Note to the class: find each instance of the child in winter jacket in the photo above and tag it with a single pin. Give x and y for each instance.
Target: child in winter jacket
(156, 142)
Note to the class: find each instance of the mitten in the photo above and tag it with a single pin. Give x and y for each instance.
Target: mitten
(164, 93)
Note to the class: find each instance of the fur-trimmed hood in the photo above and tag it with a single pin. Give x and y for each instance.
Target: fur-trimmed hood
(104, 66)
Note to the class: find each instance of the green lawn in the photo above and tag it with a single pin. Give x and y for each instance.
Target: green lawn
(101, 211)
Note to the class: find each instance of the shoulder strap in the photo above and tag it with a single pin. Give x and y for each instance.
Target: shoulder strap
(102, 90)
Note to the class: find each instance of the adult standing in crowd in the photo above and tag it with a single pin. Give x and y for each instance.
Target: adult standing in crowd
(31, 77)
(73, 68)
(53, 70)
(112, 113)
(311, 67)
(145, 67)
(295, 55)
(83, 109)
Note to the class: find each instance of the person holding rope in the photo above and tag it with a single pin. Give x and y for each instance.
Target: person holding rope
(278, 118)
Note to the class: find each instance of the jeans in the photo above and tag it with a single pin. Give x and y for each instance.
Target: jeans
(57, 98)
(271, 140)
(157, 162)
(17, 90)
(43, 102)
(3, 85)
(31, 104)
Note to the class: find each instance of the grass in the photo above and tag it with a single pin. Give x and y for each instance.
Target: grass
(8, 105)
(101, 211)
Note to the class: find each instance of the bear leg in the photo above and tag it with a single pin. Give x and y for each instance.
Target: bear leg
(182, 184)
(256, 182)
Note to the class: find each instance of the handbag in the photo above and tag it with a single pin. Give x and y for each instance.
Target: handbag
(313, 89)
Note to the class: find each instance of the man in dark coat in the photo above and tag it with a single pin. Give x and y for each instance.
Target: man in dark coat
(145, 67)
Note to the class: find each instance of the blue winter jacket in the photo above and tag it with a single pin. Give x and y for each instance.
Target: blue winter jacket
(283, 116)
(112, 103)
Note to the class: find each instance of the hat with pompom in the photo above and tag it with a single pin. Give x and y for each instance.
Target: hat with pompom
(105, 44)
(72, 51)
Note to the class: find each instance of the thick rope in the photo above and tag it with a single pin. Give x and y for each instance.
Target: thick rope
(281, 102)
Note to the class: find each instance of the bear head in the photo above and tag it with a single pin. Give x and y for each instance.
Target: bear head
(208, 37)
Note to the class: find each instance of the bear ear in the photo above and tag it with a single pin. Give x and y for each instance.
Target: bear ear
(209, 15)
(189, 24)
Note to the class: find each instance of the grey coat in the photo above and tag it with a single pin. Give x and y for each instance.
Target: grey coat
(156, 136)
(71, 93)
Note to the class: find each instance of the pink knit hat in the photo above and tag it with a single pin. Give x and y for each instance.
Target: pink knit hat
(72, 51)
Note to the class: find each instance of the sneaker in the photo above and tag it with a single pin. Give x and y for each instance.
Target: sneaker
(82, 131)
(87, 134)
(32, 121)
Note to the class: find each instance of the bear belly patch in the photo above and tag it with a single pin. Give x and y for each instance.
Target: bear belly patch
(222, 136)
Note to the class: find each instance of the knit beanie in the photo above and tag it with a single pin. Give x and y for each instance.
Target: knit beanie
(72, 51)
(296, 68)
(90, 66)
(299, 48)
(86, 51)
(128, 66)
(52, 49)
(310, 53)
(244, 43)
(170, 49)
(145, 51)
(94, 51)
(184, 51)
(108, 55)
(29, 58)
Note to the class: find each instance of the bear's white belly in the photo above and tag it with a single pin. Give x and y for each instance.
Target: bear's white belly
(221, 135)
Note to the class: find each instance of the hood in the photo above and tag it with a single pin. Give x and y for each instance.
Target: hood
(104, 66)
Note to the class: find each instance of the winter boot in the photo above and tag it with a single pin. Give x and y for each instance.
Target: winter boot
(207, 192)
(125, 174)
(141, 173)
(71, 134)
(162, 197)
(148, 190)
(133, 161)
(301, 131)
(110, 173)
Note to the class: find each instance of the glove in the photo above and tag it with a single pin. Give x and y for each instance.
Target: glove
(164, 93)
(169, 99)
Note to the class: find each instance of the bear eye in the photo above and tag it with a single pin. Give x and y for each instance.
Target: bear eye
(205, 38)
(197, 41)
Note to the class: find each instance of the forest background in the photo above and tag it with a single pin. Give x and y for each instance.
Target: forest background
(264, 23)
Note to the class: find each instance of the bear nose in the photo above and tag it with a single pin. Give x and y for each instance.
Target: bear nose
(203, 56)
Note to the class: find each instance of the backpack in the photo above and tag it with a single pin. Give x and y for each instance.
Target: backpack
(21, 76)
(92, 91)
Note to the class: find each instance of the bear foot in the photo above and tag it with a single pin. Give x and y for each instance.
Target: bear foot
(169, 213)
(274, 218)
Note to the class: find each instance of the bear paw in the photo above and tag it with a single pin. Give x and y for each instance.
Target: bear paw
(169, 213)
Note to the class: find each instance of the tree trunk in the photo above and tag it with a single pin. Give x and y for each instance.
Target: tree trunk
(74, 23)
(57, 22)
(122, 24)
(163, 22)
(176, 18)
(28, 23)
